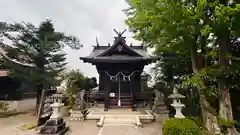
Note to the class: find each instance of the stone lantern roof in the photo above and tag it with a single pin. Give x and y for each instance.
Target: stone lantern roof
(176, 95)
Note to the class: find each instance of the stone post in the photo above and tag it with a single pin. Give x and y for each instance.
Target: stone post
(56, 124)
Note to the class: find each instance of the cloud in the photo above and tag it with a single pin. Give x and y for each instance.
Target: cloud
(85, 19)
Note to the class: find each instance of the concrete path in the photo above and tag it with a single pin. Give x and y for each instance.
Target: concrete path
(119, 130)
(149, 129)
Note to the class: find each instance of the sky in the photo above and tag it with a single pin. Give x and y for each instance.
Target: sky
(84, 19)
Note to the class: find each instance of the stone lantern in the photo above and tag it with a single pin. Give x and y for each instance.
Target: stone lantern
(57, 105)
(176, 97)
(55, 125)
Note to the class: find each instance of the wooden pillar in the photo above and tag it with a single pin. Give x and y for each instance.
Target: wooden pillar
(135, 87)
(107, 85)
(101, 82)
(133, 92)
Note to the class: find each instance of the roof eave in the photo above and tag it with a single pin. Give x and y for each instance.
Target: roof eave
(99, 60)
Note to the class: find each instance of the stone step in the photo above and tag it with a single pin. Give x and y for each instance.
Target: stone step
(119, 124)
(123, 106)
(119, 121)
(127, 99)
(120, 98)
(122, 102)
(113, 103)
(120, 117)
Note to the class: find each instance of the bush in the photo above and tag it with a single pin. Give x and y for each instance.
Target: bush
(3, 106)
(180, 126)
(197, 121)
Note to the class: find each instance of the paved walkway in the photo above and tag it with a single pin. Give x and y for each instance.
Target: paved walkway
(11, 126)
(152, 129)
(119, 130)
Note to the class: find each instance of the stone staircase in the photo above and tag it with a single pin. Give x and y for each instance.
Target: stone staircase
(126, 101)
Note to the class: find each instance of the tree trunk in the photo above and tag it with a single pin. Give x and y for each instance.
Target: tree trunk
(39, 93)
(225, 107)
(208, 113)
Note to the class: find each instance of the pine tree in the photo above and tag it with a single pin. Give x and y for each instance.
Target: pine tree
(41, 48)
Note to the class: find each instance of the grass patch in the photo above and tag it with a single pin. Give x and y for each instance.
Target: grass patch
(28, 127)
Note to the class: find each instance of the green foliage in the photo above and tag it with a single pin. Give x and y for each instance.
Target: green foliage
(205, 80)
(76, 82)
(197, 121)
(39, 47)
(3, 106)
(180, 126)
(199, 29)
(74, 78)
(225, 124)
(70, 100)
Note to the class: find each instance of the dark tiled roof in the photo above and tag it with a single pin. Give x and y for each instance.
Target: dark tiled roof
(118, 52)
(100, 49)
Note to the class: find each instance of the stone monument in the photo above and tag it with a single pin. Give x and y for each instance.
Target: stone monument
(56, 124)
(79, 109)
(159, 109)
(176, 97)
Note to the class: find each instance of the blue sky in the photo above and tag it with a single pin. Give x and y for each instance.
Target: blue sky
(85, 19)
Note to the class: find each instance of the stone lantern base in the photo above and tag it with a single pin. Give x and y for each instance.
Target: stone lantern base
(54, 127)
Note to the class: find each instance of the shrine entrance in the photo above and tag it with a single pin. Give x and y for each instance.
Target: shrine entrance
(120, 94)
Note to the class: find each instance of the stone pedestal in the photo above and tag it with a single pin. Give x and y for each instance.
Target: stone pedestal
(178, 107)
(55, 125)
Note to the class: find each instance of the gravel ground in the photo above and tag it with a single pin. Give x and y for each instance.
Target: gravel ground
(11, 126)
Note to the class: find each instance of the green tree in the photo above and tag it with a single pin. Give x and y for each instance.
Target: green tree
(41, 48)
(201, 29)
(77, 82)
(175, 26)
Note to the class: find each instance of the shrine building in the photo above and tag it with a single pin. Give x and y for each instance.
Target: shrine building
(119, 67)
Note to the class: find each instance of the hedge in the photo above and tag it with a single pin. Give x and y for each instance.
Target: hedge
(181, 126)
